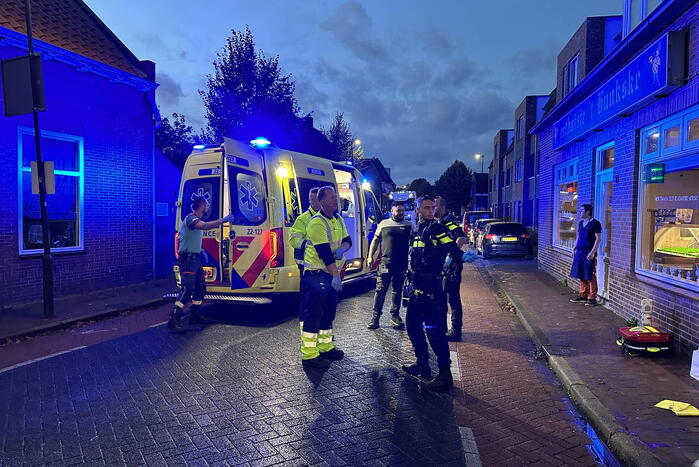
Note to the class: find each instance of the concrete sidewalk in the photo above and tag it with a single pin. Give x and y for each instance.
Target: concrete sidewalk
(616, 392)
(28, 319)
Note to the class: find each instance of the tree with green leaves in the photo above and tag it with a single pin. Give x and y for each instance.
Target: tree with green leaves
(247, 95)
(454, 185)
(341, 139)
(421, 187)
(175, 139)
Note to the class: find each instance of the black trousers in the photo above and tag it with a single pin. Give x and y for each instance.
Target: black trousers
(321, 301)
(393, 276)
(193, 284)
(425, 316)
(302, 291)
(452, 297)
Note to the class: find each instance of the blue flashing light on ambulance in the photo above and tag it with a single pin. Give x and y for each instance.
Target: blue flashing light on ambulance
(266, 188)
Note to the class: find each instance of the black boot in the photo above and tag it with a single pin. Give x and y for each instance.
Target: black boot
(175, 324)
(396, 322)
(196, 317)
(317, 362)
(374, 323)
(333, 354)
(454, 334)
(442, 382)
(418, 370)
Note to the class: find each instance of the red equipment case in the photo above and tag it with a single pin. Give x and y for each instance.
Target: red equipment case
(644, 339)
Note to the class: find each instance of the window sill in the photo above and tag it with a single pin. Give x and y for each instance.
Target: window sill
(39, 253)
(561, 249)
(669, 285)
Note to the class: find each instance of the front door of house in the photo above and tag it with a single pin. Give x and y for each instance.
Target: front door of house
(603, 213)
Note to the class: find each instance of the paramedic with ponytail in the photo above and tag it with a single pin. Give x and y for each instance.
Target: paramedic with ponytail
(326, 243)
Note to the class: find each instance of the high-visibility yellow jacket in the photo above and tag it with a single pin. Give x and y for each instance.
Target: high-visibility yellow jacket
(298, 233)
(324, 235)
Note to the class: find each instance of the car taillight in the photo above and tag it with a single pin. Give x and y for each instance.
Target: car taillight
(526, 235)
(490, 236)
(276, 245)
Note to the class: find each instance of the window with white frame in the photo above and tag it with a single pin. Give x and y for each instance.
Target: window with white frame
(65, 207)
(565, 197)
(520, 127)
(573, 73)
(668, 203)
(636, 11)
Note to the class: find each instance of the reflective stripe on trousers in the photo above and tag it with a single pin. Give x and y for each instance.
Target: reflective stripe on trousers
(325, 340)
(309, 345)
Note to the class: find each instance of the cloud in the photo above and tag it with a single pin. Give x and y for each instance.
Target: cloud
(169, 92)
(350, 25)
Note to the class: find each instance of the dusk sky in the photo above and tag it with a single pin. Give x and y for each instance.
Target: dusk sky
(422, 83)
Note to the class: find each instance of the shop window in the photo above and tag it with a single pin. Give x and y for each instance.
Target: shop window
(668, 246)
(65, 207)
(566, 205)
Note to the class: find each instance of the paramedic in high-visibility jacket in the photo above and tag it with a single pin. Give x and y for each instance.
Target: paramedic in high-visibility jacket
(327, 241)
(298, 240)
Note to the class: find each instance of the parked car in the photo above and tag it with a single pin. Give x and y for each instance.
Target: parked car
(505, 238)
(477, 227)
(472, 216)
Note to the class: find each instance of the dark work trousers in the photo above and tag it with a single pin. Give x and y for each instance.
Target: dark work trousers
(321, 301)
(452, 297)
(393, 276)
(193, 283)
(302, 292)
(425, 316)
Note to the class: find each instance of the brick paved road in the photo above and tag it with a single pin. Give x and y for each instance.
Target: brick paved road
(238, 395)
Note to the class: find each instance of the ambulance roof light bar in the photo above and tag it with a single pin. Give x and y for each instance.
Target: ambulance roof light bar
(260, 143)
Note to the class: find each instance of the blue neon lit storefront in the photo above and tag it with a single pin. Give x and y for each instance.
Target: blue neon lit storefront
(627, 141)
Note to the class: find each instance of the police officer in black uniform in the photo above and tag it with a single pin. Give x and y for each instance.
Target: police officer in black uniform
(394, 236)
(424, 291)
(452, 280)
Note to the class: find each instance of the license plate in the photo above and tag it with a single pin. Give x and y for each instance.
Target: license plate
(509, 239)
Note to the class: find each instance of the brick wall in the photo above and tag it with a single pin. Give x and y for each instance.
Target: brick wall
(115, 121)
(676, 309)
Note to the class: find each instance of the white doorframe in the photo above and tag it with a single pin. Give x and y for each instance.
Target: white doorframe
(604, 183)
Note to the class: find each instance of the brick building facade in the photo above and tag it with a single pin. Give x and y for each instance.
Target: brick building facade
(99, 131)
(624, 136)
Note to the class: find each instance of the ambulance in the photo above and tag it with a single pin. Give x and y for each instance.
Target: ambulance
(251, 260)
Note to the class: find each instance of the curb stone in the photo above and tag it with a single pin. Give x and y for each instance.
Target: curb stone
(625, 447)
(66, 323)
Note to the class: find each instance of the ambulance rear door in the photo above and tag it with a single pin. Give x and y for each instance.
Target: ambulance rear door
(249, 246)
(202, 178)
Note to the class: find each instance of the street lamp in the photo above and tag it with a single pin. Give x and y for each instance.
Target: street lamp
(479, 156)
